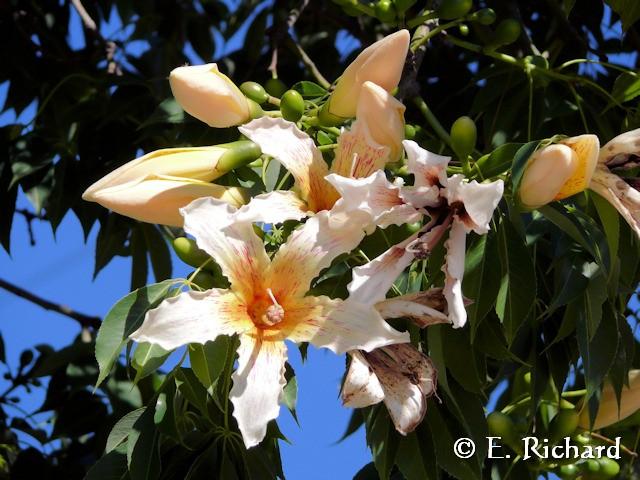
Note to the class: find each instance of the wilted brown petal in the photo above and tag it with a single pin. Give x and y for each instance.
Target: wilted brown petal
(424, 308)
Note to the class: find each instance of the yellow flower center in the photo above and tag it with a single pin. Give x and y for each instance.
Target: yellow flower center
(265, 311)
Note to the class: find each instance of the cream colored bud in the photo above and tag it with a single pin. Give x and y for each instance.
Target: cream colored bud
(152, 188)
(380, 63)
(608, 411)
(210, 96)
(547, 171)
(618, 149)
(158, 199)
(384, 117)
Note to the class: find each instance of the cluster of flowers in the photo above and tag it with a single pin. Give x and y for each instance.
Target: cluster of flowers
(267, 301)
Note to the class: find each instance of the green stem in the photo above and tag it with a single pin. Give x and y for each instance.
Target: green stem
(421, 19)
(432, 120)
(440, 28)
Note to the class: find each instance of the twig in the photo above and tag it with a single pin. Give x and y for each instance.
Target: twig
(30, 217)
(309, 64)
(279, 32)
(109, 46)
(81, 318)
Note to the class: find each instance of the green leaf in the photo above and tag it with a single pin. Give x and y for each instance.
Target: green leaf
(415, 456)
(629, 11)
(169, 111)
(498, 161)
(481, 279)
(518, 286)
(520, 161)
(158, 252)
(208, 360)
(113, 466)
(123, 319)
(626, 87)
(309, 89)
(610, 220)
(143, 456)
(122, 429)
(139, 264)
(147, 359)
(290, 392)
(189, 385)
(382, 440)
(461, 359)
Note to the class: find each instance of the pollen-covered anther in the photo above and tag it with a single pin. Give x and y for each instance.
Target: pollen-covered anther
(274, 314)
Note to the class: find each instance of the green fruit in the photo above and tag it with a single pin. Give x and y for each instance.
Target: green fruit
(463, 136)
(412, 228)
(204, 280)
(188, 251)
(255, 110)
(463, 29)
(404, 5)
(563, 424)
(238, 154)
(591, 467)
(507, 32)
(409, 132)
(608, 468)
(568, 472)
(486, 16)
(385, 11)
(451, 9)
(501, 425)
(275, 87)
(254, 91)
(292, 105)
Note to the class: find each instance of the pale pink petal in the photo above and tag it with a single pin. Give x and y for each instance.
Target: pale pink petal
(620, 194)
(297, 152)
(408, 378)
(424, 308)
(372, 280)
(234, 245)
(428, 168)
(361, 387)
(339, 325)
(454, 271)
(257, 386)
(479, 201)
(308, 250)
(358, 155)
(193, 317)
(375, 195)
(421, 197)
(273, 207)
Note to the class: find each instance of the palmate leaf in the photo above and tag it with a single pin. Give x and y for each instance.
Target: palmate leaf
(122, 320)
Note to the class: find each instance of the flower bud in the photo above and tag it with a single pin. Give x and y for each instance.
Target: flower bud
(559, 171)
(210, 96)
(380, 63)
(384, 117)
(608, 411)
(153, 187)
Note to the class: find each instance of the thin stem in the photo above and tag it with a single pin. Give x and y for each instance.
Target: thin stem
(432, 120)
(81, 318)
(421, 41)
(579, 105)
(597, 62)
(421, 19)
(530, 117)
(313, 69)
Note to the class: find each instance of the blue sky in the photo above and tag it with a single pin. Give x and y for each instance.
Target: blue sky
(60, 269)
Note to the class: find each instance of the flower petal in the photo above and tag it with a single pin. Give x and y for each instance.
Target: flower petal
(234, 245)
(358, 155)
(428, 168)
(619, 148)
(620, 194)
(424, 308)
(297, 152)
(340, 325)
(361, 387)
(408, 378)
(375, 195)
(273, 207)
(479, 200)
(372, 280)
(308, 250)
(257, 386)
(454, 271)
(193, 317)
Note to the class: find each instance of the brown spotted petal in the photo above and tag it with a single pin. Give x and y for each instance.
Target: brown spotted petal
(424, 308)
(620, 194)
(618, 150)
(401, 375)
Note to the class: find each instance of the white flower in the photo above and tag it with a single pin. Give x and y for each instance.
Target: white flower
(265, 305)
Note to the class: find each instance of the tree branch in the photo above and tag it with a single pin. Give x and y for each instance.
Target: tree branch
(81, 318)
